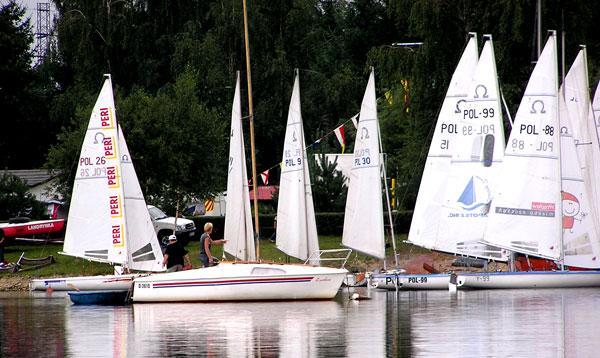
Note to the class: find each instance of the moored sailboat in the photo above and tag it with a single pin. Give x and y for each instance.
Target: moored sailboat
(108, 218)
(241, 281)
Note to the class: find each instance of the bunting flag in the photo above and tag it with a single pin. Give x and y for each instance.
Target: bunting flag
(265, 177)
(339, 133)
(405, 87)
(389, 97)
(355, 120)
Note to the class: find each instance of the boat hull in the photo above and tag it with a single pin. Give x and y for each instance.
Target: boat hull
(532, 279)
(240, 282)
(109, 297)
(410, 281)
(84, 283)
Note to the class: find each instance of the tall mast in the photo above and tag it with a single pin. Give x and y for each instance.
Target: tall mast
(251, 116)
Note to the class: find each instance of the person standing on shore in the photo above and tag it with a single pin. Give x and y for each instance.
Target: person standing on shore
(205, 243)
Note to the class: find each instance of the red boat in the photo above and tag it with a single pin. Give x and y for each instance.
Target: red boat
(32, 228)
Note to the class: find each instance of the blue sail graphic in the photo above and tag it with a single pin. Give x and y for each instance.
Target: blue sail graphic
(468, 195)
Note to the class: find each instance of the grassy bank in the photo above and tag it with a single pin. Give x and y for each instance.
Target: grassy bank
(70, 266)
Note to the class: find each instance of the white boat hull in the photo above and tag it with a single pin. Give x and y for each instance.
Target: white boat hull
(240, 282)
(530, 279)
(410, 281)
(84, 283)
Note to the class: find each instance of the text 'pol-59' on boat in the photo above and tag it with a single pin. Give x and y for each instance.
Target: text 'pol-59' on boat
(545, 204)
(251, 281)
(108, 220)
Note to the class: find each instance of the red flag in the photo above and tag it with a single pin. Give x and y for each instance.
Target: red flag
(339, 133)
(265, 177)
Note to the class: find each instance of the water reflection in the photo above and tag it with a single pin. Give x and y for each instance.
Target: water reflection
(549, 323)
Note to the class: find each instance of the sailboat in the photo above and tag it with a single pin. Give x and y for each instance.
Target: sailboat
(108, 219)
(467, 147)
(296, 223)
(240, 281)
(545, 173)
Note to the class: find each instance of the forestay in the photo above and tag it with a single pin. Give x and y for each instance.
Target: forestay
(96, 228)
(477, 154)
(238, 220)
(425, 226)
(296, 224)
(525, 213)
(363, 220)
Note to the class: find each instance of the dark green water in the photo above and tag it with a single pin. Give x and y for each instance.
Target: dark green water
(502, 323)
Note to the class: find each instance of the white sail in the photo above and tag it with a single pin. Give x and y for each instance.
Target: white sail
(363, 220)
(596, 108)
(96, 228)
(144, 252)
(238, 220)
(476, 158)
(580, 232)
(525, 213)
(296, 224)
(425, 220)
(580, 198)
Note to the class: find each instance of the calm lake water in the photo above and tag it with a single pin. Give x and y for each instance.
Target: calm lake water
(503, 323)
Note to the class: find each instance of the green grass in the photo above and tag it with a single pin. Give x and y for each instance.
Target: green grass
(70, 266)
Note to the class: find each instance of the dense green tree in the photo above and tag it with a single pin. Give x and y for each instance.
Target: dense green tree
(176, 143)
(23, 96)
(328, 185)
(152, 47)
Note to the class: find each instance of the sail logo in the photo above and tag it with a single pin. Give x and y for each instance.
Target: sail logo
(112, 177)
(476, 194)
(106, 118)
(114, 204)
(110, 151)
(118, 235)
(539, 209)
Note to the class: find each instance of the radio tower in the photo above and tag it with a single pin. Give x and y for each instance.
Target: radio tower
(42, 35)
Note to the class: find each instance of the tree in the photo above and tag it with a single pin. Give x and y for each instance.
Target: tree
(15, 200)
(328, 185)
(176, 143)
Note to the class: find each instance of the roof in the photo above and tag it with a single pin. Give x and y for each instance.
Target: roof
(264, 192)
(33, 177)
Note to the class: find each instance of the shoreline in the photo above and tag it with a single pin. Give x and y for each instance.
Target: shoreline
(412, 263)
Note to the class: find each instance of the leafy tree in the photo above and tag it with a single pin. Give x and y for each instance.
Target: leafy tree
(23, 103)
(15, 200)
(174, 140)
(328, 185)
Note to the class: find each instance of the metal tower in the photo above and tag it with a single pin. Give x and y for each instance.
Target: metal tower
(42, 34)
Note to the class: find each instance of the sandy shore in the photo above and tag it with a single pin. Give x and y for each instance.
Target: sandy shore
(14, 283)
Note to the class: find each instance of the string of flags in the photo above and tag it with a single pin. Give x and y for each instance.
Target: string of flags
(339, 134)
